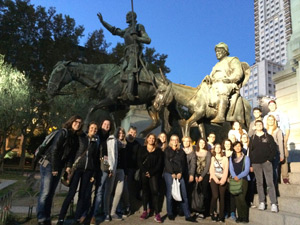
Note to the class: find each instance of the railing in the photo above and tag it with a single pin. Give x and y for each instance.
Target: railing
(5, 204)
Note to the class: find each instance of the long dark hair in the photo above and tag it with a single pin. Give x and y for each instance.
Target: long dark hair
(235, 144)
(223, 144)
(69, 122)
(213, 152)
(198, 142)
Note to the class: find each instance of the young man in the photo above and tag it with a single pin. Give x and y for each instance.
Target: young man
(284, 125)
(262, 150)
(131, 187)
(211, 140)
(257, 116)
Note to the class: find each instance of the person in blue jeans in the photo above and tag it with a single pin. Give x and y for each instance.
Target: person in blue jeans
(84, 173)
(175, 164)
(60, 153)
(101, 176)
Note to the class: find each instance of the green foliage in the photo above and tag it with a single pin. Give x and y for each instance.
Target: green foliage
(14, 97)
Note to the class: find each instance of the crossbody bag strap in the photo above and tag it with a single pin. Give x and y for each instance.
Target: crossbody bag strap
(218, 163)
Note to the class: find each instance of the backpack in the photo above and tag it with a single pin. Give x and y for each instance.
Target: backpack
(41, 150)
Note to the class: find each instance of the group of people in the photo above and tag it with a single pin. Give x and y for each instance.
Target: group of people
(118, 168)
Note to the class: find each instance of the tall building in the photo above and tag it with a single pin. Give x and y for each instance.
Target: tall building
(273, 29)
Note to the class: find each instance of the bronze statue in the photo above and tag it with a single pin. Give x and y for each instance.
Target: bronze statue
(105, 79)
(216, 99)
(134, 36)
(224, 80)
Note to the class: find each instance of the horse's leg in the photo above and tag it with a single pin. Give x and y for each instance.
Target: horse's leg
(154, 115)
(194, 118)
(202, 130)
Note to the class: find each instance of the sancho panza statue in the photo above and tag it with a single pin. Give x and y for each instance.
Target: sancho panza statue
(134, 36)
(225, 79)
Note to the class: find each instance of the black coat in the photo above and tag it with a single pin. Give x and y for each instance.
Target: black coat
(62, 150)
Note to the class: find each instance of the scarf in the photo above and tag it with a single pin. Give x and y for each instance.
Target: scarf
(188, 150)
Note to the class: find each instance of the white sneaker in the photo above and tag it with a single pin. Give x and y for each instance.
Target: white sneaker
(262, 206)
(274, 208)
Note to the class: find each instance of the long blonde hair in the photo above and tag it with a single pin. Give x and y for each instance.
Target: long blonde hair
(275, 126)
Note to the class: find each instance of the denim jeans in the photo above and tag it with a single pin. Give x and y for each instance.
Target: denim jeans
(114, 184)
(99, 192)
(84, 178)
(184, 203)
(47, 191)
(262, 170)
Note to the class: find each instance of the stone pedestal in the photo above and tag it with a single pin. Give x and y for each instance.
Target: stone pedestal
(138, 117)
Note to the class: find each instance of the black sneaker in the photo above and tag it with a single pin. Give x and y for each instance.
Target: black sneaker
(171, 217)
(222, 220)
(59, 222)
(191, 219)
(214, 218)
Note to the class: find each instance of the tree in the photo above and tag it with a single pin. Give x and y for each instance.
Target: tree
(14, 96)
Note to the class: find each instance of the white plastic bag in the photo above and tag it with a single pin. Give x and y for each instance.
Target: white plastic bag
(176, 190)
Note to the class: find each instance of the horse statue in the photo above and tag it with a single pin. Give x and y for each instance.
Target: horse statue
(197, 102)
(110, 85)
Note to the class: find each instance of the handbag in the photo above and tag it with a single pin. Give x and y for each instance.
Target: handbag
(67, 177)
(176, 190)
(197, 203)
(236, 187)
(137, 175)
(138, 171)
(104, 165)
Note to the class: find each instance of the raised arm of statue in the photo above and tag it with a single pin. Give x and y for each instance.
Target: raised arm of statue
(110, 28)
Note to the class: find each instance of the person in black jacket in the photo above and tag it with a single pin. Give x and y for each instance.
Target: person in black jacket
(61, 152)
(149, 163)
(262, 151)
(175, 165)
(84, 166)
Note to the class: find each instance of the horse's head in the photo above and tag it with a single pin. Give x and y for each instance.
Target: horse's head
(164, 96)
(59, 77)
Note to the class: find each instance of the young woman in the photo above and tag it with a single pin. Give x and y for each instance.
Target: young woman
(112, 153)
(101, 176)
(189, 173)
(85, 159)
(230, 207)
(239, 165)
(202, 173)
(175, 164)
(227, 147)
(277, 134)
(150, 163)
(117, 180)
(162, 141)
(61, 152)
(218, 182)
(245, 142)
(251, 184)
(236, 130)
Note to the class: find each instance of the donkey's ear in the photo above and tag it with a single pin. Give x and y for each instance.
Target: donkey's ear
(165, 81)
